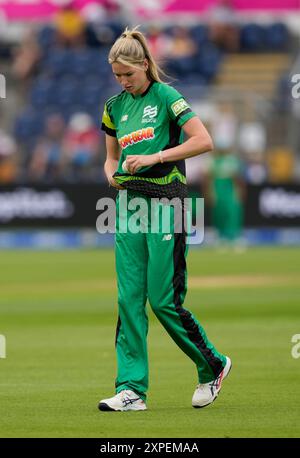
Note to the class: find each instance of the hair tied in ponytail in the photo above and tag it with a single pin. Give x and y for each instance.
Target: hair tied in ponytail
(134, 51)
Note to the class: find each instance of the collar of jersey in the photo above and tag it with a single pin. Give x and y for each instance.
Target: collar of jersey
(144, 93)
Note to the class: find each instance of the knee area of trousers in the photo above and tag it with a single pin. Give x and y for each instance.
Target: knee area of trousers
(158, 307)
(131, 301)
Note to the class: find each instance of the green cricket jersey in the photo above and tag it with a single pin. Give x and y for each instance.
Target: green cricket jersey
(148, 123)
(223, 169)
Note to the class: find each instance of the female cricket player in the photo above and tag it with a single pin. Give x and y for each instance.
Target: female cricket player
(144, 126)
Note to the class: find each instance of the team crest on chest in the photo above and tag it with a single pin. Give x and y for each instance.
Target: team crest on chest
(149, 114)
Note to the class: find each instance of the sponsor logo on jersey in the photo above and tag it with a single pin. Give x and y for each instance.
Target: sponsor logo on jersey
(124, 118)
(179, 106)
(136, 137)
(150, 112)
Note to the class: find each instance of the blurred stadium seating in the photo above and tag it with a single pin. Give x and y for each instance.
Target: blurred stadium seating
(241, 92)
(69, 79)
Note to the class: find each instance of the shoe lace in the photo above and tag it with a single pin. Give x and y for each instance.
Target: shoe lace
(213, 384)
(125, 397)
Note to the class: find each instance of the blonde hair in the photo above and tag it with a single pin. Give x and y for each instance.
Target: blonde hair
(131, 48)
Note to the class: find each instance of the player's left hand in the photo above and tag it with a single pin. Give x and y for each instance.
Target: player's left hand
(134, 162)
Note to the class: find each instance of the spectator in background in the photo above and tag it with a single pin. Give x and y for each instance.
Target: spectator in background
(101, 12)
(281, 164)
(224, 126)
(223, 27)
(70, 27)
(181, 45)
(94, 12)
(8, 159)
(46, 163)
(159, 43)
(88, 27)
(81, 148)
(98, 31)
(112, 7)
(252, 145)
(256, 168)
(181, 52)
(26, 57)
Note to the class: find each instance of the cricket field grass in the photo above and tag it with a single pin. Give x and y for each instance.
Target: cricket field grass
(58, 313)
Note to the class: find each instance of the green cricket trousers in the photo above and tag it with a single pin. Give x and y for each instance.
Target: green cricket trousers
(151, 264)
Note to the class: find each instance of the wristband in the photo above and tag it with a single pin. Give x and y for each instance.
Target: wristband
(161, 157)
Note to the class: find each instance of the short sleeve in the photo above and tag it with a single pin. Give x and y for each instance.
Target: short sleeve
(107, 123)
(178, 108)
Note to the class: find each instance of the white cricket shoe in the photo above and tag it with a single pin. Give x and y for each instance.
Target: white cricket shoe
(206, 393)
(124, 400)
